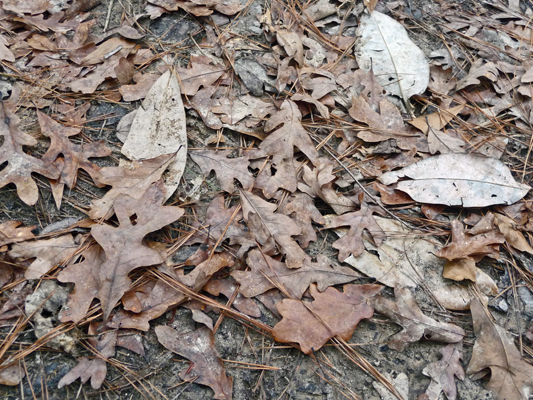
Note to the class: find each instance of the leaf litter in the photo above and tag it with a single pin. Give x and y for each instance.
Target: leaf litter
(294, 128)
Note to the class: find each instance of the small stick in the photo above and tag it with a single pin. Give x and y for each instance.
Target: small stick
(108, 15)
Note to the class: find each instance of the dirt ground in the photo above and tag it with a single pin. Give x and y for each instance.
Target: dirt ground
(291, 375)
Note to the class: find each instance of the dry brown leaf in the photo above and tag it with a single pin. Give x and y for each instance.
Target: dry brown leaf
(47, 253)
(436, 120)
(200, 275)
(199, 347)
(332, 313)
(26, 6)
(406, 313)
(358, 221)
(12, 232)
(270, 228)
(458, 270)
(123, 245)
(440, 142)
(133, 180)
(494, 349)
(124, 71)
(320, 82)
(93, 369)
(442, 372)
(227, 287)
(292, 44)
(267, 273)
(76, 156)
(200, 73)
(201, 8)
(12, 375)
(138, 91)
(479, 70)
(513, 237)
(102, 51)
(464, 245)
(20, 165)
(227, 169)
(370, 4)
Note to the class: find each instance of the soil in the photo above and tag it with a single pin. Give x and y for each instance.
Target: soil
(291, 375)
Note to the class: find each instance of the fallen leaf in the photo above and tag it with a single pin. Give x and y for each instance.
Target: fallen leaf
(442, 372)
(200, 73)
(199, 347)
(200, 275)
(228, 287)
(270, 228)
(406, 313)
(159, 128)
(76, 156)
(292, 44)
(332, 313)
(12, 232)
(400, 384)
(141, 88)
(267, 273)
(494, 349)
(460, 180)
(133, 180)
(102, 51)
(20, 165)
(12, 375)
(123, 245)
(26, 6)
(409, 261)
(47, 253)
(436, 120)
(321, 108)
(124, 71)
(478, 70)
(370, 4)
(383, 45)
(227, 169)
(513, 237)
(440, 142)
(358, 221)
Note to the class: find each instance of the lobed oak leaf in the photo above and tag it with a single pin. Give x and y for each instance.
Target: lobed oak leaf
(200, 73)
(292, 44)
(200, 275)
(274, 177)
(47, 253)
(20, 165)
(513, 237)
(123, 245)
(332, 313)
(131, 179)
(270, 228)
(358, 221)
(12, 232)
(405, 312)
(227, 287)
(227, 169)
(76, 156)
(442, 372)
(494, 349)
(139, 90)
(199, 347)
(476, 246)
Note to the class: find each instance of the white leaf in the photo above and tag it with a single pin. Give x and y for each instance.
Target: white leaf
(159, 128)
(383, 45)
(458, 179)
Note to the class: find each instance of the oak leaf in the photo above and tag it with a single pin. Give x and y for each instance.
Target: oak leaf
(358, 221)
(199, 347)
(12, 232)
(47, 253)
(332, 313)
(20, 165)
(123, 245)
(200, 73)
(442, 372)
(267, 273)
(270, 228)
(405, 312)
(76, 156)
(494, 349)
(132, 179)
(227, 169)
(227, 287)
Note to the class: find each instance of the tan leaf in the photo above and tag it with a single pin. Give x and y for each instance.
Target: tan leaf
(200, 73)
(12, 375)
(458, 270)
(478, 70)
(292, 44)
(124, 71)
(138, 91)
(405, 312)
(103, 51)
(47, 253)
(370, 4)
(227, 169)
(267, 273)
(440, 142)
(436, 120)
(201, 274)
(227, 287)
(442, 372)
(123, 245)
(132, 180)
(332, 313)
(12, 232)
(26, 6)
(199, 347)
(358, 221)
(512, 236)
(494, 349)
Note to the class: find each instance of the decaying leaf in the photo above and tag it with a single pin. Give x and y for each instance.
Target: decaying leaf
(358, 221)
(267, 273)
(159, 128)
(332, 313)
(227, 169)
(20, 165)
(405, 312)
(12, 232)
(12, 375)
(201, 73)
(442, 372)
(123, 245)
(199, 347)
(512, 236)
(408, 261)
(227, 287)
(292, 44)
(270, 228)
(47, 253)
(141, 88)
(464, 180)
(76, 156)
(494, 349)
(133, 180)
(383, 45)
